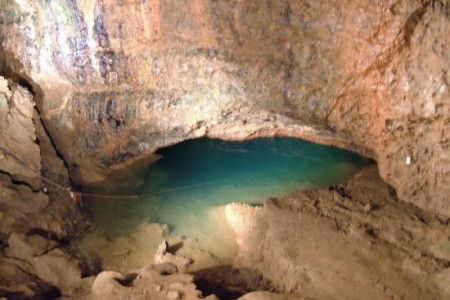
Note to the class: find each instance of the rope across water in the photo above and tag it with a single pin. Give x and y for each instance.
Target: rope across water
(74, 193)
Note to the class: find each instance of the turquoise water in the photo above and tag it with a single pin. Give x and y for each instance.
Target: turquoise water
(182, 198)
(184, 188)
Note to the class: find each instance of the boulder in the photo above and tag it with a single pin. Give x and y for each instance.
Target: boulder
(26, 247)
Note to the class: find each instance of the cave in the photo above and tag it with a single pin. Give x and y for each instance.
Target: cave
(182, 196)
(97, 95)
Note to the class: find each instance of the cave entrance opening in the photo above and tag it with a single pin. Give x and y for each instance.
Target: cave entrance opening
(184, 192)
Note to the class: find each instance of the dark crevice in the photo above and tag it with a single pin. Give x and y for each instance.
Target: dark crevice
(48, 235)
(128, 280)
(175, 247)
(48, 293)
(227, 282)
(3, 241)
(7, 70)
(341, 191)
(15, 181)
(413, 20)
(21, 80)
(42, 290)
(58, 153)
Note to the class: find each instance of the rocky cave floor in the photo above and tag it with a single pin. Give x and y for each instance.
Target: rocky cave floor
(351, 241)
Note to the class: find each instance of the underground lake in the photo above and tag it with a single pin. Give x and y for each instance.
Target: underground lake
(182, 195)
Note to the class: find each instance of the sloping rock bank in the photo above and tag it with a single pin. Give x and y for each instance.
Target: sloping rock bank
(354, 241)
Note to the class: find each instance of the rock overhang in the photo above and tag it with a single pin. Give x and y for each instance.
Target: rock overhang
(121, 80)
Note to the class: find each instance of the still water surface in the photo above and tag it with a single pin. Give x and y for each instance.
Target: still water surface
(183, 187)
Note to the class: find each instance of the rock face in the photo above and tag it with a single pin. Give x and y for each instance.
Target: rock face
(119, 80)
(18, 140)
(352, 241)
(35, 216)
(26, 153)
(20, 159)
(399, 108)
(146, 283)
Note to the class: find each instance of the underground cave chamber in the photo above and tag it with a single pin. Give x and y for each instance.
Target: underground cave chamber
(90, 89)
(188, 187)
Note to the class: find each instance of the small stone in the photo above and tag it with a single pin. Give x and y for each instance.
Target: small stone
(367, 208)
(162, 250)
(158, 288)
(408, 160)
(163, 256)
(173, 295)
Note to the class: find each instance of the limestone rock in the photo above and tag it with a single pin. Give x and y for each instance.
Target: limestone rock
(18, 203)
(19, 153)
(20, 160)
(146, 283)
(262, 295)
(125, 252)
(25, 247)
(163, 256)
(300, 248)
(248, 222)
(17, 282)
(398, 109)
(174, 295)
(59, 269)
(442, 280)
(106, 283)
(21, 197)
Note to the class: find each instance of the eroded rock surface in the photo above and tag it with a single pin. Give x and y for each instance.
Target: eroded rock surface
(146, 283)
(399, 108)
(26, 201)
(119, 80)
(353, 241)
(25, 247)
(20, 159)
(18, 140)
(36, 216)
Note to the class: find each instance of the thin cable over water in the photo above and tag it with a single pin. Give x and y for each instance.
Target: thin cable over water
(78, 193)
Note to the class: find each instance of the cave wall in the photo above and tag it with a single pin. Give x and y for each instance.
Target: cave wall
(400, 108)
(28, 203)
(119, 79)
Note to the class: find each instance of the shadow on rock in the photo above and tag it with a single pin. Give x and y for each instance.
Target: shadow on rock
(227, 282)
